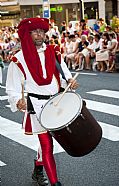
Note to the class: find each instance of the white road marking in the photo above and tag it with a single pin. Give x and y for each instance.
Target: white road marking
(107, 93)
(9, 106)
(2, 86)
(102, 107)
(110, 132)
(3, 98)
(2, 164)
(14, 131)
(84, 73)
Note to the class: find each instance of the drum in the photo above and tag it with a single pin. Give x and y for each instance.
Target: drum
(71, 124)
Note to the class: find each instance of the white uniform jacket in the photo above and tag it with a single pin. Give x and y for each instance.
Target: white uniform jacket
(13, 88)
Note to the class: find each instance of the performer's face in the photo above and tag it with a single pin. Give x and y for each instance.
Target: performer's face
(38, 37)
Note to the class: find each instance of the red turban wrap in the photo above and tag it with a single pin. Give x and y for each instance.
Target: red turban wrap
(30, 52)
(32, 24)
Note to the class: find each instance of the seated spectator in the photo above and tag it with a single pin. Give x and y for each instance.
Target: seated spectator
(102, 56)
(51, 31)
(116, 31)
(78, 39)
(93, 47)
(76, 28)
(81, 23)
(85, 30)
(96, 27)
(112, 52)
(63, 26)
(46, 39)
(83, 53)
(63, 35)
(102, 25)
(108, 28)
(68, 49)
(71, 54)
(70, 29)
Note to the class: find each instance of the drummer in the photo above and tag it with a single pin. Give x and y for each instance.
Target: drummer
(35, 65)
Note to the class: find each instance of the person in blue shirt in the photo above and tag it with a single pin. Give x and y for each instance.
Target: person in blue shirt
(96, 27)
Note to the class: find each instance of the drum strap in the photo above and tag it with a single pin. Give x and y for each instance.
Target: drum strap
(30, 108)
(59, 68)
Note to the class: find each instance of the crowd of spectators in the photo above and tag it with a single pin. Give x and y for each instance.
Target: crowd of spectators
(9, 43)
(82, 47)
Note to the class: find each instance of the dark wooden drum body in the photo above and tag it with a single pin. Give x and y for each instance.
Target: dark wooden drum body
(81, 134)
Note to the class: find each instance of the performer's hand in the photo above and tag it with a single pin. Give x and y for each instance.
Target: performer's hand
(74, 83)
(21, 104)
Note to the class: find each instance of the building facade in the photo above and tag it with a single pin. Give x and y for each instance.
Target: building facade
(9, 12)
(69, 10)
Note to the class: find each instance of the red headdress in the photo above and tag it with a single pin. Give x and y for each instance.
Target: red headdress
(30, 52)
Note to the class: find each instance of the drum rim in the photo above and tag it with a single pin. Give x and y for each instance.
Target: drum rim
(66, 125)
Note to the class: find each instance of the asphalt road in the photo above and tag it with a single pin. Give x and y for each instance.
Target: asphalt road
(98, 168)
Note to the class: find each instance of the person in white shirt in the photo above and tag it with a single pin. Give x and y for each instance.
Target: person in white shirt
(112, 52)
(51, 31)
(102, 56)
(36, 63)
(70, 29)
(95, 43)
(71, 44)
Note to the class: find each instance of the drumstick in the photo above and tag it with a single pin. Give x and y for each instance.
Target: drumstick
(22, 90)
(66, 89)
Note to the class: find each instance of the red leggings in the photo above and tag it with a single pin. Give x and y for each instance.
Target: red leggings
(47, 156)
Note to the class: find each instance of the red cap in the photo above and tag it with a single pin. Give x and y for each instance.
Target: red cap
(30, 24)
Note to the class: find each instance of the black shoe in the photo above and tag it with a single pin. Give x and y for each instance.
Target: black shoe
(77, 66)
(57, 184)
(38, 176)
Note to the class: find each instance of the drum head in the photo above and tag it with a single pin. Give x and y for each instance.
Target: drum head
(55, 117)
